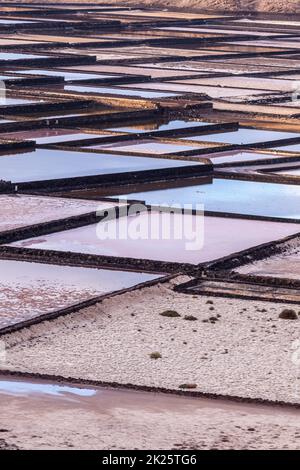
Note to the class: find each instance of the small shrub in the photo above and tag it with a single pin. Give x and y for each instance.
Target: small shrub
(288, 314)
(155, 355)
(170, 314)
(190, 318)
(188, 386)
(214, 319)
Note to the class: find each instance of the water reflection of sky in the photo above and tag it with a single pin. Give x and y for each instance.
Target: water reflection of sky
(288, 148)
(26, 388)
(232, 196)
(119, 91)
(175, 124)
(45, 164)
(245, 136)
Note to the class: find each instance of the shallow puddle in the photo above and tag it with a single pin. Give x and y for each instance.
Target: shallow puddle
(33, 389)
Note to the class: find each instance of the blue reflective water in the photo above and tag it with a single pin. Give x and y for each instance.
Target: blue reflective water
(232, 196)
(67, 75)
(288, 148)
(27, 388)
(172, 125)
(45, 164)
(287, 172)
(5, 21)
(14, 56)
(119, 91)
(245, 136)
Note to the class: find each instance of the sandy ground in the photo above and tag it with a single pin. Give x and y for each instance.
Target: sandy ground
(115, 419)
(42, 209)
(234, 347)
(280, 6)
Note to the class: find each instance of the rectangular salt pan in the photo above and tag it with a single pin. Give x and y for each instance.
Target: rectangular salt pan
(118, 91)
(282, 265)
(292, 172)
(172, 125)
(58, 164)
(28, 290)
(245, 136)
(288, 148)
(51, 136)
(147, 148)
(40, 209)
(231, 196)
(194, 240)
(15, 56)
(67, 75)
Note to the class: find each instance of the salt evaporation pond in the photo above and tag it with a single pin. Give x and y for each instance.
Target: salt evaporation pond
(172, 125)
(40, 209)
(118, 91)
(192, 239)
(44, 164)
(68, 76)
(245, 136)
(287, 172)
(51, 136)
(236, 157)
(288, 148)
(28, 290)
(283, 265)
(146, 147)
(232, 196)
